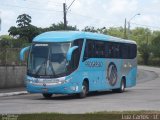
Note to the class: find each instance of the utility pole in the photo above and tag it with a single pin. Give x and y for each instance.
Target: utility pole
(64, 12)
(129, 24)
(65, 9)
(128, 31)
(0, 21)
(125, 29)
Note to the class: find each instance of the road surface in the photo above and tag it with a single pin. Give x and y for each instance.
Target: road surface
(145, 96)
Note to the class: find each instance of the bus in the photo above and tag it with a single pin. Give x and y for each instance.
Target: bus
(75, 62)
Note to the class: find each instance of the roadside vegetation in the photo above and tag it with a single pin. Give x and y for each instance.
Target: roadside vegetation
(148, 41)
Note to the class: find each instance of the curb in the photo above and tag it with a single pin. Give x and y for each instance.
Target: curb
(13, 93)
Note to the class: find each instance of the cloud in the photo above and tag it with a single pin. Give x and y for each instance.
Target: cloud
(97, 13)
(7, 18)
(103, 12)
(123, 6)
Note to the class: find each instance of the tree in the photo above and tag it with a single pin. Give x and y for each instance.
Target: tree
(5, 41)
(115, 31)
(145, 51)
(156, 46)
(90, 29)
(25, 30)
(28, 33)
(23, 20)
(18, 43)
(14, 31)
(102, 30)
(141, 35)
(60, 26)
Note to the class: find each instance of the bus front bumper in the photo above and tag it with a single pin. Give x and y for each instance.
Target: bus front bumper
(66, 88)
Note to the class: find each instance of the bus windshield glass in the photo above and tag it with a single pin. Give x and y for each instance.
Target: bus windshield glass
(48, 59)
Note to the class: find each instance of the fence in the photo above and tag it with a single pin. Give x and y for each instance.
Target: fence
(12, 76)
(12, 70)
(10, 57)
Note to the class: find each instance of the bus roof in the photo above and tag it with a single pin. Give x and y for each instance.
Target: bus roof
(66, 36)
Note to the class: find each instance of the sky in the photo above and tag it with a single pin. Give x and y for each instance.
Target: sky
(97, 13)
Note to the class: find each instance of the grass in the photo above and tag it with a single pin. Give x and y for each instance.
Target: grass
(88, 116)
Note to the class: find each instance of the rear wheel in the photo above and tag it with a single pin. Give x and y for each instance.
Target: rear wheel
(84, 91)
(47, 95)
(122, 87)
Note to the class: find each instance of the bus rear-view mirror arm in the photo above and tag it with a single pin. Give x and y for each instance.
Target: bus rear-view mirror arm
(69, 53)
(22, 53)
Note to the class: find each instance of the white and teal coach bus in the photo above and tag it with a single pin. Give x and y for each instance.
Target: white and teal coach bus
(73, 62)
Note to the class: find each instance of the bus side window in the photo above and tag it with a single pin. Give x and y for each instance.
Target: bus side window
(128, 51)
(78, 43)
(117, 51)
(108, 50)
(74, 63)
(113, 50)
(133, 51)
(125, 51)
(99, 49)
(89, 50)
(75, 59)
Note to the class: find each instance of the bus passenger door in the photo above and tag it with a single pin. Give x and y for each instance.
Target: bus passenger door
(92, 64)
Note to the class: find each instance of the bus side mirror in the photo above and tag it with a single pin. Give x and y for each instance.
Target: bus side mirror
(69, 53)
(22, 52)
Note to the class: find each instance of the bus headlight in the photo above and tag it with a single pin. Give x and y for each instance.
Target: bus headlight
(62, 80)
(68, 79)
(30, 79)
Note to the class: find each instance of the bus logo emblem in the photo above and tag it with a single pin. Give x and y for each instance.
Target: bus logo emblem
(112, 74)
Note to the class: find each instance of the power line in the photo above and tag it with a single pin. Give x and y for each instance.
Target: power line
(9, 5)
(86, 16)
(58, 11)
(70, 4)
(55, 3)
(40, 3)
(53, 10)
(114, 25)
(58, 3)
(149, 26)
(94, 18)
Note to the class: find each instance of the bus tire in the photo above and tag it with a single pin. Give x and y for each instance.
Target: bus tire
(122, 87)
(84, 91)
(47, 95)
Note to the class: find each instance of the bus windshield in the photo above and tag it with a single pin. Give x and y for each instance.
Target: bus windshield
(48, 59)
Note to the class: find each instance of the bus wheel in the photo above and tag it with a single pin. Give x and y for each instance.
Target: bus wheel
(122, 87)
(47, 95)
(84, 91)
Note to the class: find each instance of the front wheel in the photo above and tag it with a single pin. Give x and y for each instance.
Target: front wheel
(47, 95)
(122, 87)
(84, 91)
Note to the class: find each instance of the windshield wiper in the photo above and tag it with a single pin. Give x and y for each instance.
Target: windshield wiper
(40, 67)
(50, 66)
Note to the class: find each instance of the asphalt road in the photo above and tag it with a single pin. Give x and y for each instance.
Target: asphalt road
(145, 96)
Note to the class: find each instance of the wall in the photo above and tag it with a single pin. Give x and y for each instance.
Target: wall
(12, 76)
